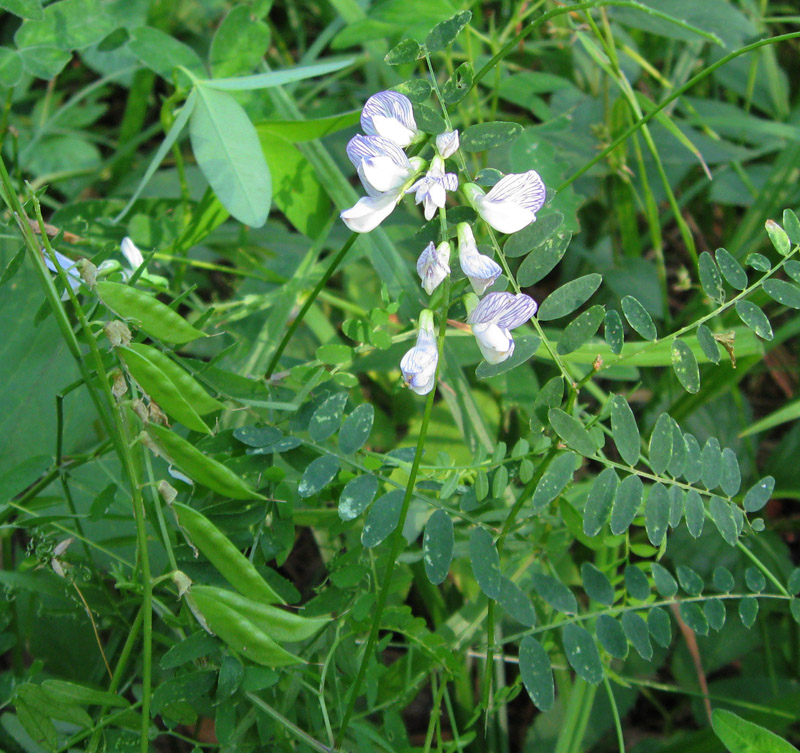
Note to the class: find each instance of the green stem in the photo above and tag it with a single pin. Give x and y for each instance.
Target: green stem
(332, 267)
(289, 725)
(397, 539)
(615, 713)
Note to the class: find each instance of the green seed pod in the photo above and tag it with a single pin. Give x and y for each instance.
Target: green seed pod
(277, 623)
(199, 467)
(224, 556)
(238, 632)
(192, 392)
(158, 385)
(147, 312)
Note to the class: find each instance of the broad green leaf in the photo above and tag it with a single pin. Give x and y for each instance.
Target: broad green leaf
(276, 78)
(537, 674)
(665, 584)
(793, 583)
(638, 318)
(690, 581)
(711, 464)
(459, 84)
(326, 419)
(163, 53)
(184, 687)
(759, 494)
(485, 562)
(516, 602)
(638, 634)
(356, 429)
(533, 236)
(437, 546)
(710, 278)
(732, 271)
(37, 724)
(659, 626)
(759, 262)
(429, 120)
(524, 348)
(596, 584)
(692, 469)
(76, 693)
(582, 654)
(714, 611)
(334, 354)
(568, 297)
(613, 331)
(554, 593)
(24, 8)
(778, 237)
(406, 52)
(553, 482)
(296, 131)
(627, 500)
(239, 43)
(636, 583)
(723, 580)
(191, 648)
(382, 518)
(319, 473)
(754, 318)
(611, 636)
(708, 344)
(783, 292)
(741, 736)
(695, 513)
(444, 33)
(791, 225)
(66, 24)
(228, 152)
(543, 257)
(722, 515)
(792, 268)
(580, 330)
(44, 62)
(624, 430)
(599, 501)
(13, 266)
(656, 514)
(572, 431)
(356, 496)
(694, 617)
(684, 364)
(483, 136)
(755, 579)
(678, 460)
(748, 610)
(10, 67)
(676, 506)
(660, 451)
(731, 479)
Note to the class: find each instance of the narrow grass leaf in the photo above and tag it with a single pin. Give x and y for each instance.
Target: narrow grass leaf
(276, 78)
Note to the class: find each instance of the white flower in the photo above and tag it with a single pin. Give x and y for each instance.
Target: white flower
(493, 317)
(380, 163)
(447, 143)
(131, 253)
(369, 211)
(432, 189)
(479, 269)
(512, 203)
(69, 266)
(433, 265)
(390, 114)
(419, 364)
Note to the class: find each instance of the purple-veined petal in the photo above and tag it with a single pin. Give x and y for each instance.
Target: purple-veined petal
(518, 312)
(389, 114)
(525, 189)
(490, 308)
(433, 266)
(447, 143)
(369, 211)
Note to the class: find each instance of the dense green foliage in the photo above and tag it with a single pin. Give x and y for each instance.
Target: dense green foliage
(227, 523)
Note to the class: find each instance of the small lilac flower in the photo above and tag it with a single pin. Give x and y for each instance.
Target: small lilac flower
(433, 265)
(512, 203)
(447, 143)
(390, 114)
(431, 190)
(419, 364)
(69, 266)
(479, 269)
(493, 317)
(380, 163)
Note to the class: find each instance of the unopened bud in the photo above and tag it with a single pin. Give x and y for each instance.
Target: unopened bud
(167, 491)
(118, 385)
(117, 333)
(88, 272)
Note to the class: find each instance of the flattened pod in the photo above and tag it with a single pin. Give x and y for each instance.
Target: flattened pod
(239, 633)
(161, 389)
(199, 467)
(193, 393)
(277, 623)
(147, 312)
(220, 552)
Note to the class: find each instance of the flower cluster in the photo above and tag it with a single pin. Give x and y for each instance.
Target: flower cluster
(387, 174)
